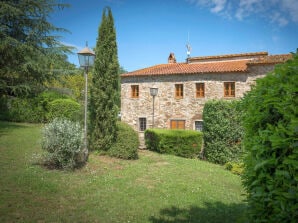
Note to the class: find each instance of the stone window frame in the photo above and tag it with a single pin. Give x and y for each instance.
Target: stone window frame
(179, 91)
(229, 88)
(177, 124)
(142, 124)
(199, 92)
(135, 91)
(202, 124)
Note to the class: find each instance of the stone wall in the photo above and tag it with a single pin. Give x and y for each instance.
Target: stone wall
(189, 108)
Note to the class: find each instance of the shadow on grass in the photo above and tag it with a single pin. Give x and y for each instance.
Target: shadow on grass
(210, 213)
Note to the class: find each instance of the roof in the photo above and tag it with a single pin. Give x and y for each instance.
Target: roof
(228, 64)
(272, 59)
(190, 68)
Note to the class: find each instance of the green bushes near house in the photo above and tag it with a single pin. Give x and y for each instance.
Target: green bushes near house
(184, 143)
(64, 108)
(271, 132)
(127, 143)
(40, 108)
(223, 131)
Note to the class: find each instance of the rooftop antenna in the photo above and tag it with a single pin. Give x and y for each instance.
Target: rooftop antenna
(188, 47)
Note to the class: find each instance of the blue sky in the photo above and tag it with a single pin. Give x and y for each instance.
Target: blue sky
(149, 30)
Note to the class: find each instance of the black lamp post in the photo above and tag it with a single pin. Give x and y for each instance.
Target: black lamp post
(153, 93)
(86, 60)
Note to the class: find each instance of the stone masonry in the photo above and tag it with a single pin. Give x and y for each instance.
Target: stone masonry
(189, 108)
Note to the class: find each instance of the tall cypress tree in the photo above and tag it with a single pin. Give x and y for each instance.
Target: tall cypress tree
(104, 91)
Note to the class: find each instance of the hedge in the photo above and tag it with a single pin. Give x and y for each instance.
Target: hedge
(271, 132)
(184, 143)
(223, 131)
(64, 108)
(127, 143)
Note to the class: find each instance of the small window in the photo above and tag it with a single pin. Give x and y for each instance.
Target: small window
(135, 91)
(142, 124)
(177, 124)
(200, 90)
(179, 90)
(199, 126)
(229, 89)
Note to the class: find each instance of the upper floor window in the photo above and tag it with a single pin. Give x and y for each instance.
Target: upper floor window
(179, 90)
(177, 124)
(135, 91)
(200, 90)
(229, 89)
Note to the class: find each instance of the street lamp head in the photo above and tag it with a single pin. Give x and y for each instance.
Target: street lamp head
(153, 91)
(86, 57)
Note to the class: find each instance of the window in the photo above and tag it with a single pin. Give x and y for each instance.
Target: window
(177, 124)
(179, 90)
(134, 91)
(199, 126)
(142, 124)
(229, 89)
(200, 90)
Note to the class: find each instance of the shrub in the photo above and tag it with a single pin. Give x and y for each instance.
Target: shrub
(63, 142)
(236, 168)
(185, 143)
(223, 131)
(271, 132)
(127, 143)
(29, 109)
(64, 108)
(23, 110)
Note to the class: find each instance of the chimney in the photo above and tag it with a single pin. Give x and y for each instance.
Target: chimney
(171, 58)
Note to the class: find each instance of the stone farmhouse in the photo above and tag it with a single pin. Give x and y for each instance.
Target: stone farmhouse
(184, 88)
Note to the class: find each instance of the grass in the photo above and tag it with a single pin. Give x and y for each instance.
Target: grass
(156, 188)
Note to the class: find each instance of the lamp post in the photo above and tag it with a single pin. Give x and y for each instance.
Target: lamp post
(86, 60)
(153, 93)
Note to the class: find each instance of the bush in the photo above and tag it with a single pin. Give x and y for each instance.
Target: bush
(64, 108)
(127, 143)
(30, 109)
(63, 142)
(236, 168)
(223, 131)
(271, 132)
(185, 143)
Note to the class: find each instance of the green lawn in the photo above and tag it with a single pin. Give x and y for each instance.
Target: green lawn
(155, 188)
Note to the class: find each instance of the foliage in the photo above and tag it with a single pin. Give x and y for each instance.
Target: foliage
(30, 49)
(64, 108)
(126, 146)
(105, 91)
(112, 190)
(271, 165)
(63, 141)
(223, 131)
(236, 168)
(185, 143)
(29, 109)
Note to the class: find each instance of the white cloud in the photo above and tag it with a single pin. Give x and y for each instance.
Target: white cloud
(280, 12)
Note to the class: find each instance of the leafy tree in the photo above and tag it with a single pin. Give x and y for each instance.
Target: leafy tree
(29, 50)
(105, 91)
(271, 132)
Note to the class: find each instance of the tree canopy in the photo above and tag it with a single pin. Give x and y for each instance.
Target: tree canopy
(29, 47)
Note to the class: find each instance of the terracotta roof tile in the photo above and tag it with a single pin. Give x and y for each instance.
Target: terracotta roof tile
(191, 68)
(272, 59)
(207, 65)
